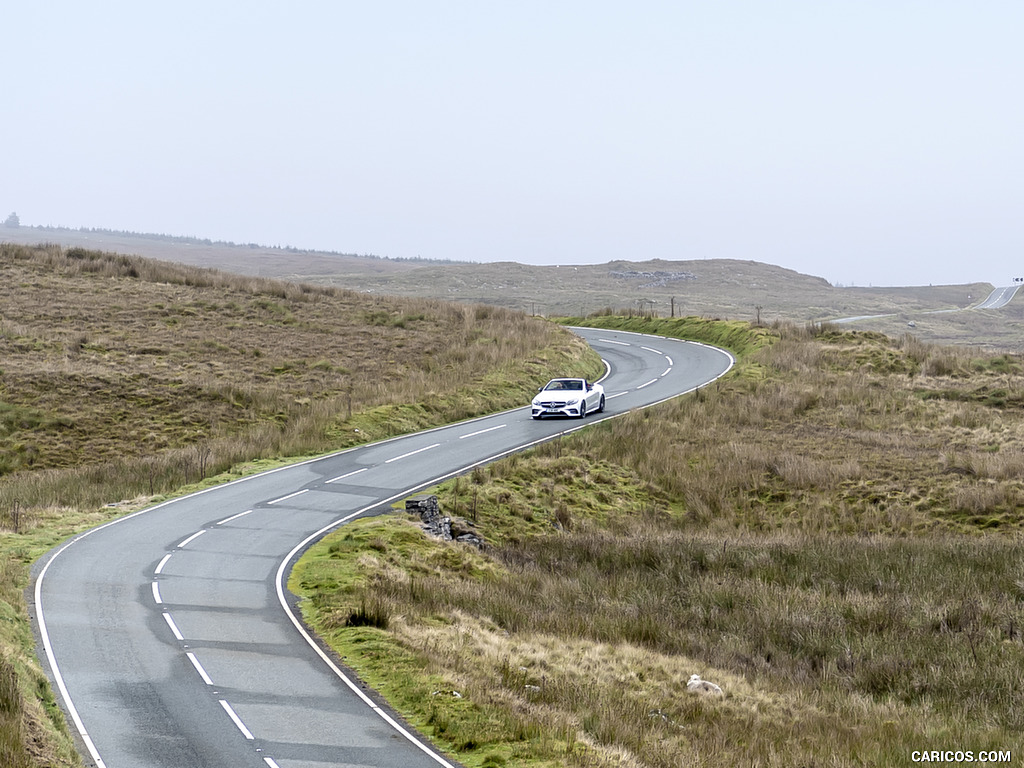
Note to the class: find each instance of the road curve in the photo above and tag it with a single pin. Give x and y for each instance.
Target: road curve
(169, 634)
(998, 299)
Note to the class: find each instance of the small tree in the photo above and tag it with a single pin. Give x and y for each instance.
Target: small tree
(12, 220)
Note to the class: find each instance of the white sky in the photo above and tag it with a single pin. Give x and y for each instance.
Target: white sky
(865, 141)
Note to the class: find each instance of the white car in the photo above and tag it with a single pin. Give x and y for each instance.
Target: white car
(568, 397)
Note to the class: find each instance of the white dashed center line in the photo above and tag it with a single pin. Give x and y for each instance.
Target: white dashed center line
(173, 626)
(237, 720)
(234, 517)
(647, 384)
(199, 668)
(482, 431)
(191, 538)
(342, 477)
(289, 496)
(620, 343)
(411, 453)
(163, 562)
(156, 593)
(655, 351)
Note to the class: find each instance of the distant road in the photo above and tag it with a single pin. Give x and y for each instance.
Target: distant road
(173, 641)
(999, 298)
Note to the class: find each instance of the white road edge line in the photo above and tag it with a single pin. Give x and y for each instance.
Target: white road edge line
(234, 517)
(174, 627)
(342, 477)
(199, 668)
(237, 720)
(411, 453)
(289, 496)
(44, 635)
(191, 538)
(161, 564)
(482, 431)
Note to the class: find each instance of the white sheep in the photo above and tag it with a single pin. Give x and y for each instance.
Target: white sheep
(696, 685)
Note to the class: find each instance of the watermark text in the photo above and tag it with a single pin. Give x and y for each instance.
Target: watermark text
(960, 756)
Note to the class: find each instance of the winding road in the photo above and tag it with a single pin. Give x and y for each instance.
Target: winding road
(998, 299)
(169, 634)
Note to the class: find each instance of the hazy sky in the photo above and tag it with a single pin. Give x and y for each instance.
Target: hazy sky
(867, 142)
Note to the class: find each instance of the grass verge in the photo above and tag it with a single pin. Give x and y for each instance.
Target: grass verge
(834, 541)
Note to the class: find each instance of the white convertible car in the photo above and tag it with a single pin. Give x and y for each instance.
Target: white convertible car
(568, 397)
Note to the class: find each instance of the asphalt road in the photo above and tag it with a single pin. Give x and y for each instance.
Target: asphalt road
(998, 299)
(172, 641)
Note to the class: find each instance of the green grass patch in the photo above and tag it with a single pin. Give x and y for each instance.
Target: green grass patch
(739, 337)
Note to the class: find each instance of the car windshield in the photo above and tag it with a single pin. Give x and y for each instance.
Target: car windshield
(564, 384)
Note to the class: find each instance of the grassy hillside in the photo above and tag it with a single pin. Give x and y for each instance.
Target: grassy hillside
(832, 534)
(247, 259)
(123, 379)
(724, 288)
(783, 533)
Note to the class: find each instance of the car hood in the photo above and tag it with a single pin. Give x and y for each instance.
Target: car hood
(558, 397)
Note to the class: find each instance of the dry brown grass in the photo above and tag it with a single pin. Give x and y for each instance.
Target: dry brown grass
(720, 288)
(832, 535)
(171, 373)
(122, 379)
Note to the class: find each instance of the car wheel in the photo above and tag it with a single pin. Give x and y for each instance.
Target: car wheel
(600, 408)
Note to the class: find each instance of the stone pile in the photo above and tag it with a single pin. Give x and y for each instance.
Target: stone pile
(440, 526)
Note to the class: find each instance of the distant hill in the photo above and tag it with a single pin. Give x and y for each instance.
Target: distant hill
(239, 258)
(727, 288)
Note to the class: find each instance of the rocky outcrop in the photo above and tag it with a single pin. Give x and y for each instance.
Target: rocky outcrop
(656, 279)
(439, 525)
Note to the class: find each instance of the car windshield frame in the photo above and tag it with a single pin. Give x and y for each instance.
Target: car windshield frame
(565, 385)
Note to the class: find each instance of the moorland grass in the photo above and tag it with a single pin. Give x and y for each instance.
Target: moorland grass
(123, 380)
(832, 534)
(722, 288)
